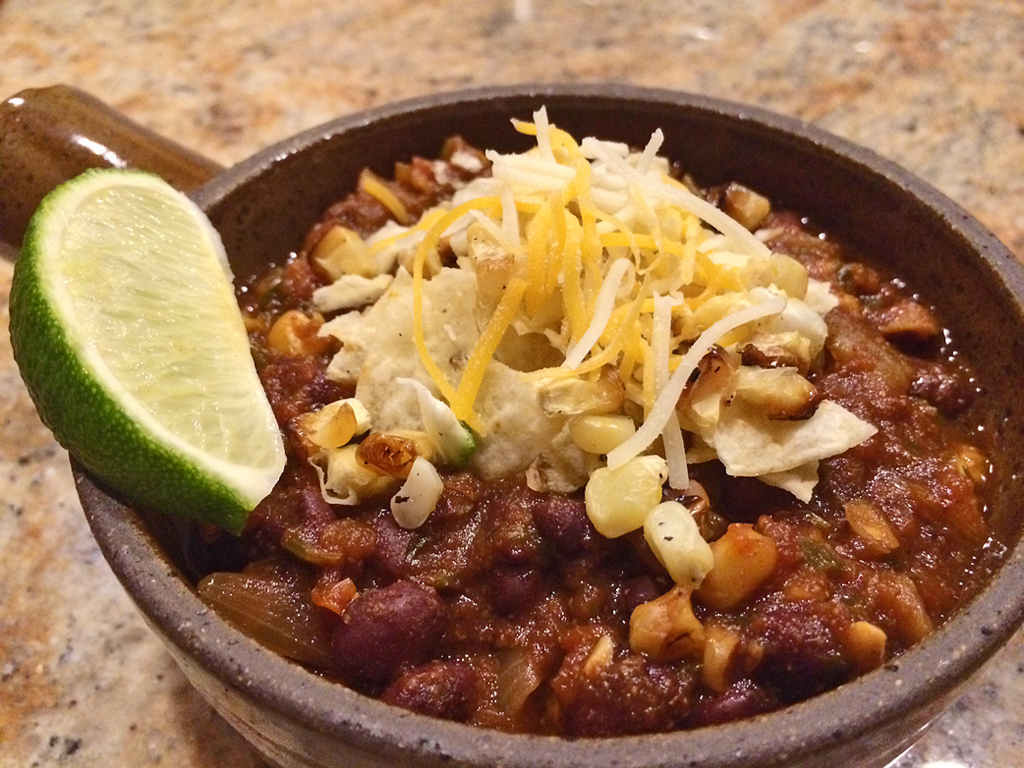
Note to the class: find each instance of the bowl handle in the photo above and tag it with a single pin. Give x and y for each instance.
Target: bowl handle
(49, 135)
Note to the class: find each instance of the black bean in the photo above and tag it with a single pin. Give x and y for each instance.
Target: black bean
(314, 508)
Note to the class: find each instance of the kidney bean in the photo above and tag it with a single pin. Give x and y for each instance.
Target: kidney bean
(513, 590)
(563, 521)
(744, 699)
(446, 689)
(392, 544)
(386, 628)
(631, 695)
(802, 643)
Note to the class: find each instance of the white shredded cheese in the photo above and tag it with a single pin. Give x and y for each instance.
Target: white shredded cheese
(671, 435)
(603, 308)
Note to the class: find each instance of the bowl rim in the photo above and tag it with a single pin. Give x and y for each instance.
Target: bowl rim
(934, 667)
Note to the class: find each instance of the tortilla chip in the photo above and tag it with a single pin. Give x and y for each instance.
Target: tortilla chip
(800, 481)
(750, 445)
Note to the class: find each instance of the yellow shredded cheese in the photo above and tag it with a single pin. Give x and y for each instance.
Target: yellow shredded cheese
(429, 243)
(472, 377)
(376, 188)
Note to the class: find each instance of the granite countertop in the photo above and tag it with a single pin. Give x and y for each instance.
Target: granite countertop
(934, 85)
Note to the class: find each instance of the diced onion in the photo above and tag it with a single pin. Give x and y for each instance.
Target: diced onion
(416, 499)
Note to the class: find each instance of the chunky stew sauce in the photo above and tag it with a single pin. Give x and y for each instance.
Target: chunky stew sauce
(507, 609)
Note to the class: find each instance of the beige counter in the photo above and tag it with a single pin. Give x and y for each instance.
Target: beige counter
(935, 86)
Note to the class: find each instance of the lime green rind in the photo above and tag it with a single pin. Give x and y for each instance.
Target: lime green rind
(59, 384)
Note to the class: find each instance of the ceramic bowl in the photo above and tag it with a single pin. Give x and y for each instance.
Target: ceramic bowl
(263, 207)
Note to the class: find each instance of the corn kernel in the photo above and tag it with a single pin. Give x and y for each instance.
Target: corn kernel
(600, 434)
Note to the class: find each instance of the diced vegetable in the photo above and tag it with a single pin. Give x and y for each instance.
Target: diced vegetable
(417, 498)
(453, 439)
(274, 611)
(870, 525)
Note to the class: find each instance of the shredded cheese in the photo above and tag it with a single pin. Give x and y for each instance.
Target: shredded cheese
(603, 308)
(672, 436)
(376, 188)
(593, 253)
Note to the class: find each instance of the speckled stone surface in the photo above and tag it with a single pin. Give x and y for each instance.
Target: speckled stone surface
(935, 86)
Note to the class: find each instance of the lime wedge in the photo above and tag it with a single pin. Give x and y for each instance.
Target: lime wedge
(127, 333)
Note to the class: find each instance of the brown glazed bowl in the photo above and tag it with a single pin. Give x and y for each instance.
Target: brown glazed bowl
(263, 207)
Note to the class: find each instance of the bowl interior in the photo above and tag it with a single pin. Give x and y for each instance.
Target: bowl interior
(264, 206)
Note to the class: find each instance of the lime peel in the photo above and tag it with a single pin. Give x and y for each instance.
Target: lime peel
(127, 333)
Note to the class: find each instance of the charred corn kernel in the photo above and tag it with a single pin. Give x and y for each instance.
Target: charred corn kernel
(619, 500)
(744, 560)
(673, 536)
(393, 453)
(571, 397)
(347, 480)
(865, 645)
(295, 333)
(335, 424)
(343, 252)
(599, 434)
(867, 521)
(971, 463)
(745, 205)
(600, 655)
(666, 628)
(778, 393)
(719, 663)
